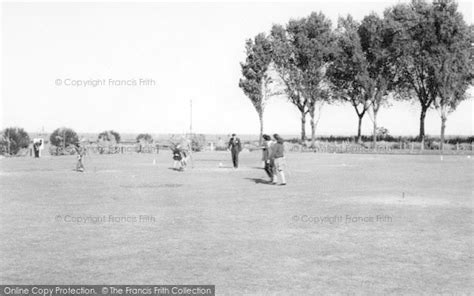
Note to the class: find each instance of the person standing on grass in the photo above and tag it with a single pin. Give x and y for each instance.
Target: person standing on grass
(267, 145)
(81, 152)
(36, 149)
(277, 158)
(235, 146)
(179, 157)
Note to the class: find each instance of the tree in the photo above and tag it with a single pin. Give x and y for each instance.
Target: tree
(256, 79)
(348, 73)
(198, 142)
(147, 138)
(15, 138)
(451, 73)
(109, 136)
(63, 137)
(313, 40)
(287, 60)
(372, 33)
(410, 29)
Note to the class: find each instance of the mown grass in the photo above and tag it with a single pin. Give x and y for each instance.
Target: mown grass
(214, 225)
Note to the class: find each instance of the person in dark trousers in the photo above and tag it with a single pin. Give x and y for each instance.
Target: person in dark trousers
(36, 149)
(235, 146)
(266, 149)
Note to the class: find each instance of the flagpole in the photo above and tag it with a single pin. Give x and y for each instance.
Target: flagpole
(191, 132)
(191, 117)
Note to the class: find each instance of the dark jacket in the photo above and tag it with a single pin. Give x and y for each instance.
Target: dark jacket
(267, 146)
(177, 154)
(235, 145)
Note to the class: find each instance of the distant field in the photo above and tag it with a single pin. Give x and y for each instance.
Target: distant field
(345, 224)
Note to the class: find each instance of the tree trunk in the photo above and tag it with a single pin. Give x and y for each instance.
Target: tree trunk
(260, 139)
(375, 129)
(359, 130)
(422, 126)
(303, 127)
(443, 128)
(313, 130)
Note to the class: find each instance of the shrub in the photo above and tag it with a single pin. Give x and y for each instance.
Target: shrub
(109, 136)
(382, 133)
(198, 142)
(147, 138)
(63, 137)
(59, 150)
(14, 139)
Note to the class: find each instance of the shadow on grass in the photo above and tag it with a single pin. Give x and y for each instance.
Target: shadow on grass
(259, 181)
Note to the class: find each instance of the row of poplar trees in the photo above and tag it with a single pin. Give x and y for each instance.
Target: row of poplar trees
(417, 51)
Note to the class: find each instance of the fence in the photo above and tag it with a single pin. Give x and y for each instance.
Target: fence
(388, 147)
(112, 149)
(320, 147)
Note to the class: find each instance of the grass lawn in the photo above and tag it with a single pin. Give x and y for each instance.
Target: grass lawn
(399, 224)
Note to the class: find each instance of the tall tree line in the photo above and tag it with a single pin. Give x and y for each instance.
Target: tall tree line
(418, 51)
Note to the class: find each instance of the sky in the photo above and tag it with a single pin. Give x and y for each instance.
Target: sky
(135, 67)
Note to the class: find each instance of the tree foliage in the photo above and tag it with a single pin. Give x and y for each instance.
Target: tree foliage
(14, 139)
(410, 29)
(349, 73)
(256, 79)
(314, 44)
(287, 61)
(430, 46)
(451, 68)
(109, 136)
(198, 142)
(147, 138)
(63, 137)
(254, 70)
(381, 72)
(418, 51)
(301, 51)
